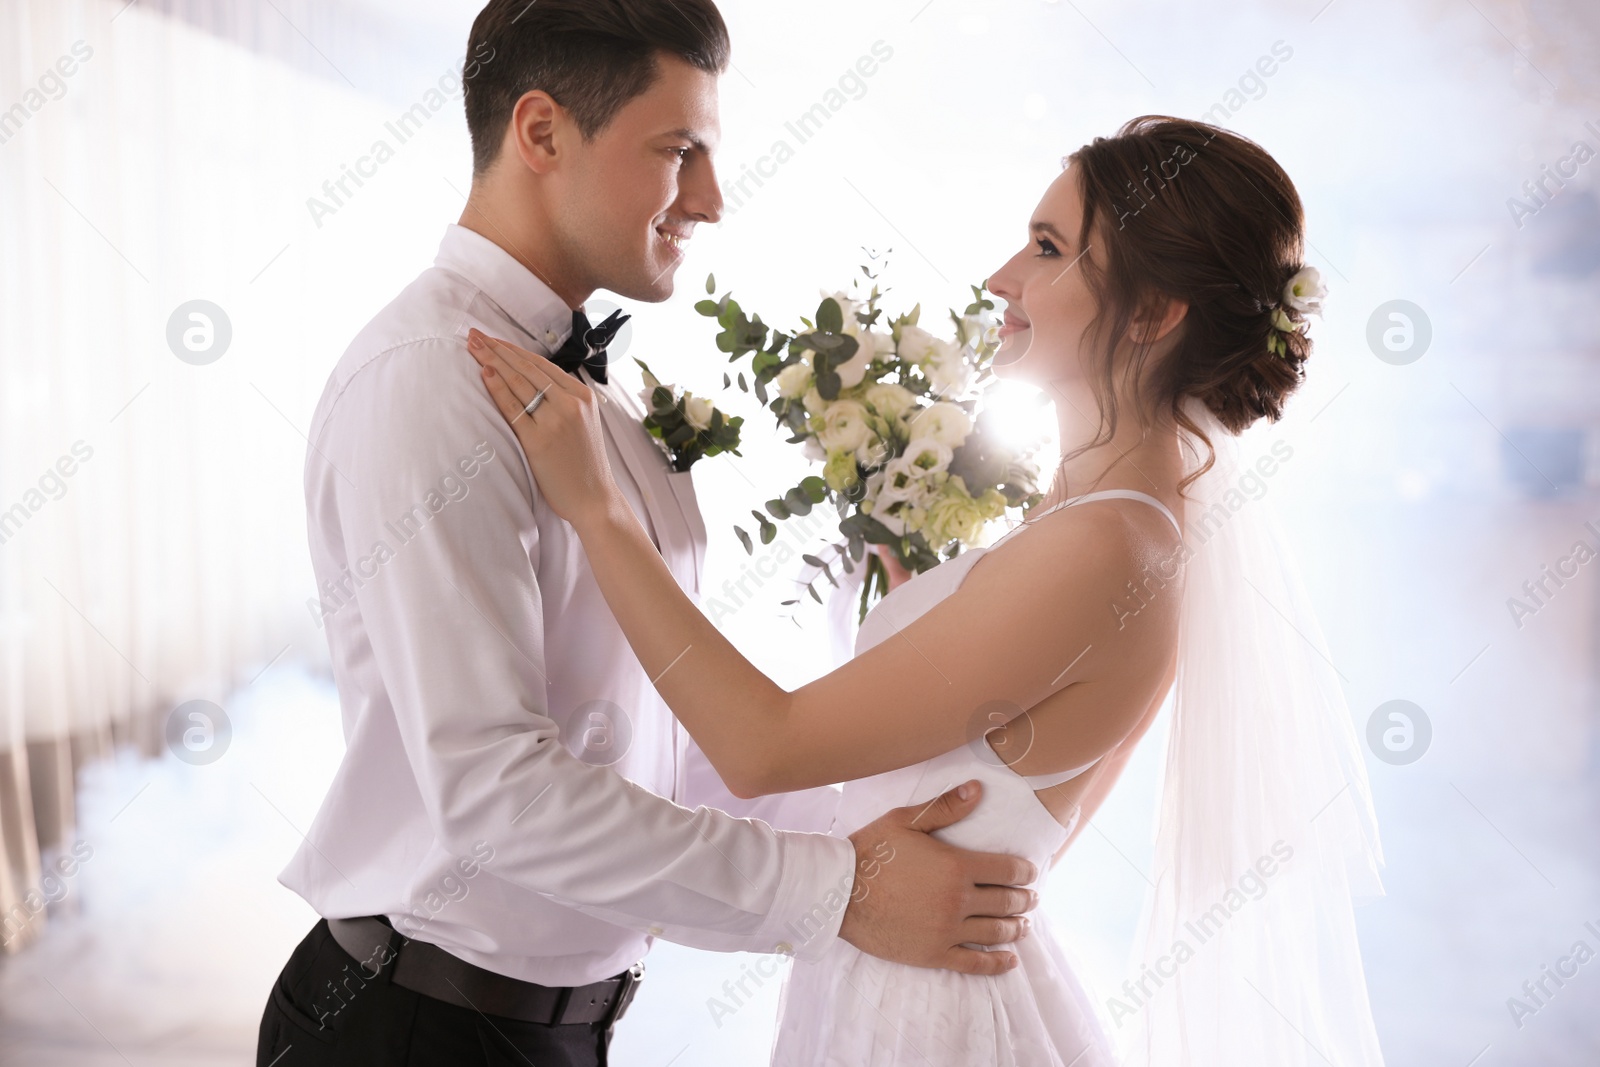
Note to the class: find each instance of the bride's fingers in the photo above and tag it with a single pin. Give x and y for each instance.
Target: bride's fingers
(536, 368)
(504, 397)
(520, 387)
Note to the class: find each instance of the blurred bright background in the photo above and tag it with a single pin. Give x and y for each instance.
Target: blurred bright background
(1445, 150)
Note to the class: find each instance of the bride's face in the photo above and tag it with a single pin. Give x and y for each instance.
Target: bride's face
(1049, 307)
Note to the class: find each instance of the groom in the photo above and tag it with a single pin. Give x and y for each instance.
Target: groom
(517, 814)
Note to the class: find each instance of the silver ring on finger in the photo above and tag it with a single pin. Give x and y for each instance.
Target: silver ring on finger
(533, 405)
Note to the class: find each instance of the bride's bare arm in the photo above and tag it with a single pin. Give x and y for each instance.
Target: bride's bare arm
(1037, 621)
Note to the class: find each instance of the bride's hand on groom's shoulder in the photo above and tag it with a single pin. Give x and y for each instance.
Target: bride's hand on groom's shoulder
(556, 419)
(918, 901)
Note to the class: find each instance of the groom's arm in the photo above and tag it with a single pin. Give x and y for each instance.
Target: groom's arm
(455, 621)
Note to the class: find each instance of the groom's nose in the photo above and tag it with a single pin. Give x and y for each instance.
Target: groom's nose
(699, 197)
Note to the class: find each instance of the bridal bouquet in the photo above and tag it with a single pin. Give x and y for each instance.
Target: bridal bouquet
(892, 412)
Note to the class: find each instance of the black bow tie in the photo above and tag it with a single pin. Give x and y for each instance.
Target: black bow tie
(586, 347)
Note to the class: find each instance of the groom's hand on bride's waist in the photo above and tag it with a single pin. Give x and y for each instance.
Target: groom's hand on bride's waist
(917, 900)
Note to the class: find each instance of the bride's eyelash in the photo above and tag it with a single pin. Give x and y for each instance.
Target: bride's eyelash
(1046, 248)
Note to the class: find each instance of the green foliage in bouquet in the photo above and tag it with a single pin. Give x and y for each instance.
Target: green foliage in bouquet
(891, 412)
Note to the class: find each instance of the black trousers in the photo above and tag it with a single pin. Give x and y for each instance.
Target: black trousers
(323, 1012)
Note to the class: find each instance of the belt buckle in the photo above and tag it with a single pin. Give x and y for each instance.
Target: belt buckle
(630, 983)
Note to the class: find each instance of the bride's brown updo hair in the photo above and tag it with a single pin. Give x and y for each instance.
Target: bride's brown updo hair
(1191, 211)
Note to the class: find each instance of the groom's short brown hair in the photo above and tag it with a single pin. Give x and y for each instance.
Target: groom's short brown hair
(591, 56)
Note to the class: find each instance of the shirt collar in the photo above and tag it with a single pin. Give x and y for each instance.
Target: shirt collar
(520, 293)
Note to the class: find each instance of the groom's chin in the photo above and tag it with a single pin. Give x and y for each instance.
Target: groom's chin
(645, 288)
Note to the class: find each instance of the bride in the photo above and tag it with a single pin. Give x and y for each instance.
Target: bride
(1160, 298)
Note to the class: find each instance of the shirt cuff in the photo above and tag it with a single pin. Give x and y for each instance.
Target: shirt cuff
(814, 891)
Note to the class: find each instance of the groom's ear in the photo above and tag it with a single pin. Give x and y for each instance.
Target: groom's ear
(538, 131)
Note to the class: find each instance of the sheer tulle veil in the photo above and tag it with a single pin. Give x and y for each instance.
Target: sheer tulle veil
(1266, 837)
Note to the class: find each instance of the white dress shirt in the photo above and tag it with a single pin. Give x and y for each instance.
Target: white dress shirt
(513, 789)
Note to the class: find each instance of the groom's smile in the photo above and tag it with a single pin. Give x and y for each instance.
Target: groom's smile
(638, 190)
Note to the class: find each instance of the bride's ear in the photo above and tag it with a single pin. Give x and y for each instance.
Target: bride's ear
(1158, 319)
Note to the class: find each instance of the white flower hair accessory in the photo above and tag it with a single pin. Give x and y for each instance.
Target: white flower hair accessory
(1302, 293)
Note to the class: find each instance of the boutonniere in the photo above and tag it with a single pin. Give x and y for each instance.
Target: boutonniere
(689, 427)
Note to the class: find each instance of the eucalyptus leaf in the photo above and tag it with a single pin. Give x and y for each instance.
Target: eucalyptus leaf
(815, 488)
(830, 316)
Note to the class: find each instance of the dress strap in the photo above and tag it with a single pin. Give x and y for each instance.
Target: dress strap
(1045, 781)
(1124, 494)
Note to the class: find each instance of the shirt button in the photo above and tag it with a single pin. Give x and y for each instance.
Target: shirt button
(784, 947)
(655, 931)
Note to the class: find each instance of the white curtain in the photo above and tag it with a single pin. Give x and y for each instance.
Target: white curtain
(151, 525)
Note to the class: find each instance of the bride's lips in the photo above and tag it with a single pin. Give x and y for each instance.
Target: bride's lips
(1013, 324)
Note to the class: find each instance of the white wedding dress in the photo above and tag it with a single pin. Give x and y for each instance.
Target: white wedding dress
(849, 1009)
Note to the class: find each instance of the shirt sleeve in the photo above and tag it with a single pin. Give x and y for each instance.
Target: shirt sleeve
(429, 486)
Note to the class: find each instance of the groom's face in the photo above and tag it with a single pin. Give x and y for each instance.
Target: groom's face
(635, 193)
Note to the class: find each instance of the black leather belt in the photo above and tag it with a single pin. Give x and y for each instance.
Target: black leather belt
(433, 972)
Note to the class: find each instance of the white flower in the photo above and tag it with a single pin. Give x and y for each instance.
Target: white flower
(949, 370)
(813, 450)
(929, 454)
(900, 516)
(956, 516)
(944, 422)
(944, 362)
(814, 404)
(697, 411)
(647, 394)
(873, 489)
(794, 380)
(903, 479)
(873, 452)
(980, 329)
(854, 370)
(889, 401)
(844, 427)
(915, 344)
(1305, 291)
